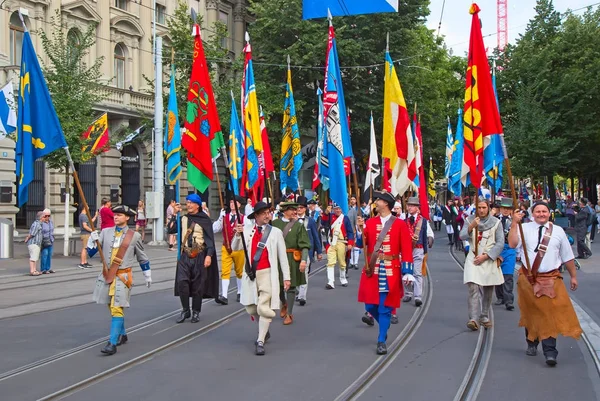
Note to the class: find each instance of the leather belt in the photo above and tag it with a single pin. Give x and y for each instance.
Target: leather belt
(193, 251)
(388, 257)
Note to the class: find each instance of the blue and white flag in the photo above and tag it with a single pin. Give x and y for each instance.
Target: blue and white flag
(459, 171)
(449, 143)
(8, 113)
(340, 8)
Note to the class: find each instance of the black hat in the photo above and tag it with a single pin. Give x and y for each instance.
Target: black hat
(257, 208)
(123, 209)
(385, 196)
(240, 200)
(312, 202)
(302, 201)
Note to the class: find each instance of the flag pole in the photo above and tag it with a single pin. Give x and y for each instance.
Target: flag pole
(225, 233)
(177, 189)
(85, 206)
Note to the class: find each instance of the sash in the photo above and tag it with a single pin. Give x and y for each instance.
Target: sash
(110, 274)
(543, 247)
(373, 259)
(251, 271)
(333, 231)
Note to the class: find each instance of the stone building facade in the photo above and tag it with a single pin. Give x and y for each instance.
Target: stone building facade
(124, 33)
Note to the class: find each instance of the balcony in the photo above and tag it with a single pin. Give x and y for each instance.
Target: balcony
(126, 102)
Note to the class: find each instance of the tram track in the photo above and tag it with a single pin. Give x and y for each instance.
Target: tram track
(377, 368)
(132, 362)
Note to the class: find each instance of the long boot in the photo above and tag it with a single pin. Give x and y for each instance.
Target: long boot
(343, 278)
(330, 278)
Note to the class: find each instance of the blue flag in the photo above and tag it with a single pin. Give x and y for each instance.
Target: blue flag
(493, 155)
(38, 130)
(454, 181)
(173, 135)
(8, 114)
(449, 144)
(321, 143)
(236, 149)
(339, 8)
(291, 148)
(337, 132)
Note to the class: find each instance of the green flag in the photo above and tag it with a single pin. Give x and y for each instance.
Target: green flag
(194, 176)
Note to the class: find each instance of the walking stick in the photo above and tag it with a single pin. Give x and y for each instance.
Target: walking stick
(225, 232)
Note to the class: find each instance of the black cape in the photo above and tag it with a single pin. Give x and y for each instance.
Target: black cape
(191, 277)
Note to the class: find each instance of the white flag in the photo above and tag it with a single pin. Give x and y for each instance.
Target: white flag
(8, 113)
(373, 168)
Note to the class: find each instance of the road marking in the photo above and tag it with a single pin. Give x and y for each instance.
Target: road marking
(591, 331)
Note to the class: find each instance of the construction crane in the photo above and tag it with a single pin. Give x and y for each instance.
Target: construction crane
(502, 31)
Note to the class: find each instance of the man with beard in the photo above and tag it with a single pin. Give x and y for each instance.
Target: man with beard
(260, 281)
(389, 260)
(297, 245)
(197, 274)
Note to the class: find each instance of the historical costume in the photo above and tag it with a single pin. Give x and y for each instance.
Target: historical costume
(504, 292)
(122, 247)
(297, 246)
(226, 224)
(546, 309)
(315, 244)
(197, 274)
(481, 269)
(341, 237)
(388, 260)
(450, 214)
(260, 280)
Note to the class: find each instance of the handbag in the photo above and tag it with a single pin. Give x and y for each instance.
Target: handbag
(46, 242)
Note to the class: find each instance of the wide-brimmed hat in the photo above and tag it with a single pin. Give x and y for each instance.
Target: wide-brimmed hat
(287, 205)
(506, 202)
(260, 206)
(384, 195)
(123, 209)
(302, 201)
(413, 200)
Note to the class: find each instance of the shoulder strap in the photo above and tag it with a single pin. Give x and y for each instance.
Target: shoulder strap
(380, 238)
(418, 228)
(109, 275)
(287, 228)
(261, 246)
(541, 250)
(187, 233)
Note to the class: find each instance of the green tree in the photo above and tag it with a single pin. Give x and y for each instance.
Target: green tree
(75, 86)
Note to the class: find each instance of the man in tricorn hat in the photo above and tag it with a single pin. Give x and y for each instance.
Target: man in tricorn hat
(315, 243)
(122, 248)
(388, 261)
(341, 240)
(226, 223)
(260, 280)
(197, 274)
(297, 246)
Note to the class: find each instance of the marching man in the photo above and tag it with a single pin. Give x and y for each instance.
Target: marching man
(341, 240)
(260, 280)
(388, 261)
(315, 244)
(121, 247)
(226, 224)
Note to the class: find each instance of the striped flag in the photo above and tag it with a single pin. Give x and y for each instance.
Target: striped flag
(449, 145)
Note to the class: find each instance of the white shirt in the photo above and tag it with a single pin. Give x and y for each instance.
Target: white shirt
(559, 249)
(385, 219)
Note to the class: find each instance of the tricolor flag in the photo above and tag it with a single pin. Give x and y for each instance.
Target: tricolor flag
(373, 169)
(481, 116)
(291, 155)
(203, 137)
(337, 145)
(398, 150)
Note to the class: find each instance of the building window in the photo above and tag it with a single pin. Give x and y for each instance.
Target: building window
(120, 66)
(16, 39)
(224, 19)
(161, 11)
(122, 4)
(73, 40)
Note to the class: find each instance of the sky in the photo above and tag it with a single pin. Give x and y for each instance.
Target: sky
(456, 21)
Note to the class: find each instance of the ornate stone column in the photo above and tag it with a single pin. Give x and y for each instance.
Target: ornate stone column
(239, 27)
(212, 15)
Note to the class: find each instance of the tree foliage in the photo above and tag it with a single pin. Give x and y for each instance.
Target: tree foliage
(73, 84)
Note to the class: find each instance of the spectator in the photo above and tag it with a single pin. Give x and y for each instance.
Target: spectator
(107, 218)
(581, 225)
(597, 210)
(85, 230)
(592, 223)
(34, 244)
(172, 227)
(47, 242)
(140, 219)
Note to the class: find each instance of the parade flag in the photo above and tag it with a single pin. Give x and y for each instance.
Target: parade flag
(481, 116)
(373, 169)
(398, 150)
(95, 138)
(318, 177)
(38, 130)
(431, 188)
(493, 154)
(202, 127)
(337, 145)
(173, 135)
(319, 8)
(129, 138)
(236, 149)
(457, 178)
(422, 179)
(417, 162)
(449, 144)
(266, 152)
(8, 113)
(291, 155)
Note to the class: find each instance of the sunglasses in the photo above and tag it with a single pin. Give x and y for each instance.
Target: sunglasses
(46, 215)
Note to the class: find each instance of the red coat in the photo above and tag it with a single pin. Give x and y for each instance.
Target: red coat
(227, 227)
(396, 242)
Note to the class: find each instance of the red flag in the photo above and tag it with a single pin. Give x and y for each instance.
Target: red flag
(481, 116)
(424, 204)
(97, 138)
(347, 166)
(201, 118)
(316, 181)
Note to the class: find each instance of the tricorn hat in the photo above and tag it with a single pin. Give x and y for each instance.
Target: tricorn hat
(123, 209)
(260, 206)
(413, 200)
(385, 196)
(240, 200)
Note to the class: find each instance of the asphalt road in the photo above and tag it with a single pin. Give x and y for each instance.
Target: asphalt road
(318, 357)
